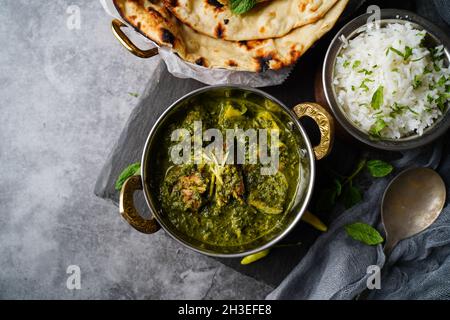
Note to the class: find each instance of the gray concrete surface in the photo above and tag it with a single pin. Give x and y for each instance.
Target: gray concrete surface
(63, 101)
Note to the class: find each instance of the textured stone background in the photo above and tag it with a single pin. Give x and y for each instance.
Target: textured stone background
(63, 102)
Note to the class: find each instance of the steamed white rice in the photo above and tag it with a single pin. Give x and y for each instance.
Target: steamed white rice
(409, 81)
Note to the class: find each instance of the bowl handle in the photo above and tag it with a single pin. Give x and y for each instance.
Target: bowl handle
(325, 123)
(116, 26)
(128, 210)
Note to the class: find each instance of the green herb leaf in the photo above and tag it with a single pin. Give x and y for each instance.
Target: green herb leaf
(397, 109)
(365, 71)
(133, 94)
(129, 171)
(408, 53)
(356, 64)
(377, 127)
(377, 98)
(364, 86)
(379, 168)
(441, 102)
(418, 59)
(435, 54)
(359, 166)
(364, 233)
(351, 196)
(241, 6)
(346, 63)
(417, 82)
(441, 82)
(412, 111)
(395, 51)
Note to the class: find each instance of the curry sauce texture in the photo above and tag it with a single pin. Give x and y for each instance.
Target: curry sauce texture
(222, 203)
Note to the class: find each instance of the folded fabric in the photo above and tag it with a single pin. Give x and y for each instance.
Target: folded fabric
(336, 265)
(444, 9)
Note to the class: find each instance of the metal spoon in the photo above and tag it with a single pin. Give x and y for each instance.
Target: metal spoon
(411, 203)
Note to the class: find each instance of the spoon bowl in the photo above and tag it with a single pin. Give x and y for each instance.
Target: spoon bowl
(411, 203)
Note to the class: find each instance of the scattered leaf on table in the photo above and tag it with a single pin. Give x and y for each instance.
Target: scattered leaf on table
(364, 233)
(379, 168)
(129, 171)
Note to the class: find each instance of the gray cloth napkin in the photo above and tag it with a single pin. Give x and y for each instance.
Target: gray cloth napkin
(443, 9)
(418, 268)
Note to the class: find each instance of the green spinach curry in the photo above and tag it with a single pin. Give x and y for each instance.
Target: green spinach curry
(229, 204)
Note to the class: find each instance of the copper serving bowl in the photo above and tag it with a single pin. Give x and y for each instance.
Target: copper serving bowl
(149, 182)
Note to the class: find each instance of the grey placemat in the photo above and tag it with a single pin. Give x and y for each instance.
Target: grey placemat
(161, 92)
(163, 89)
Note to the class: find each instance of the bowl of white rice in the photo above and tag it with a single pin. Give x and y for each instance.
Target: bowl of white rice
(387, 82)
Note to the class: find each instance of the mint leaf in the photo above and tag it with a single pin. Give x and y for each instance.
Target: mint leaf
(241, 6)
(379, 125)
(351, 196)
(377, 98)
(129, 171)
(328, 196)
(364, 233)
(379, 168)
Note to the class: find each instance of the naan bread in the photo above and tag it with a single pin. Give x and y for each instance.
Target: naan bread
(157, 23)
(271, 19)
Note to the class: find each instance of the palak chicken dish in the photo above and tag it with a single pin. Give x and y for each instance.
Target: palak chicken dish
(222, 202)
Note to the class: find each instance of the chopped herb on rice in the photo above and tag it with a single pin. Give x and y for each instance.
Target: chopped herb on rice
(395, 86)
